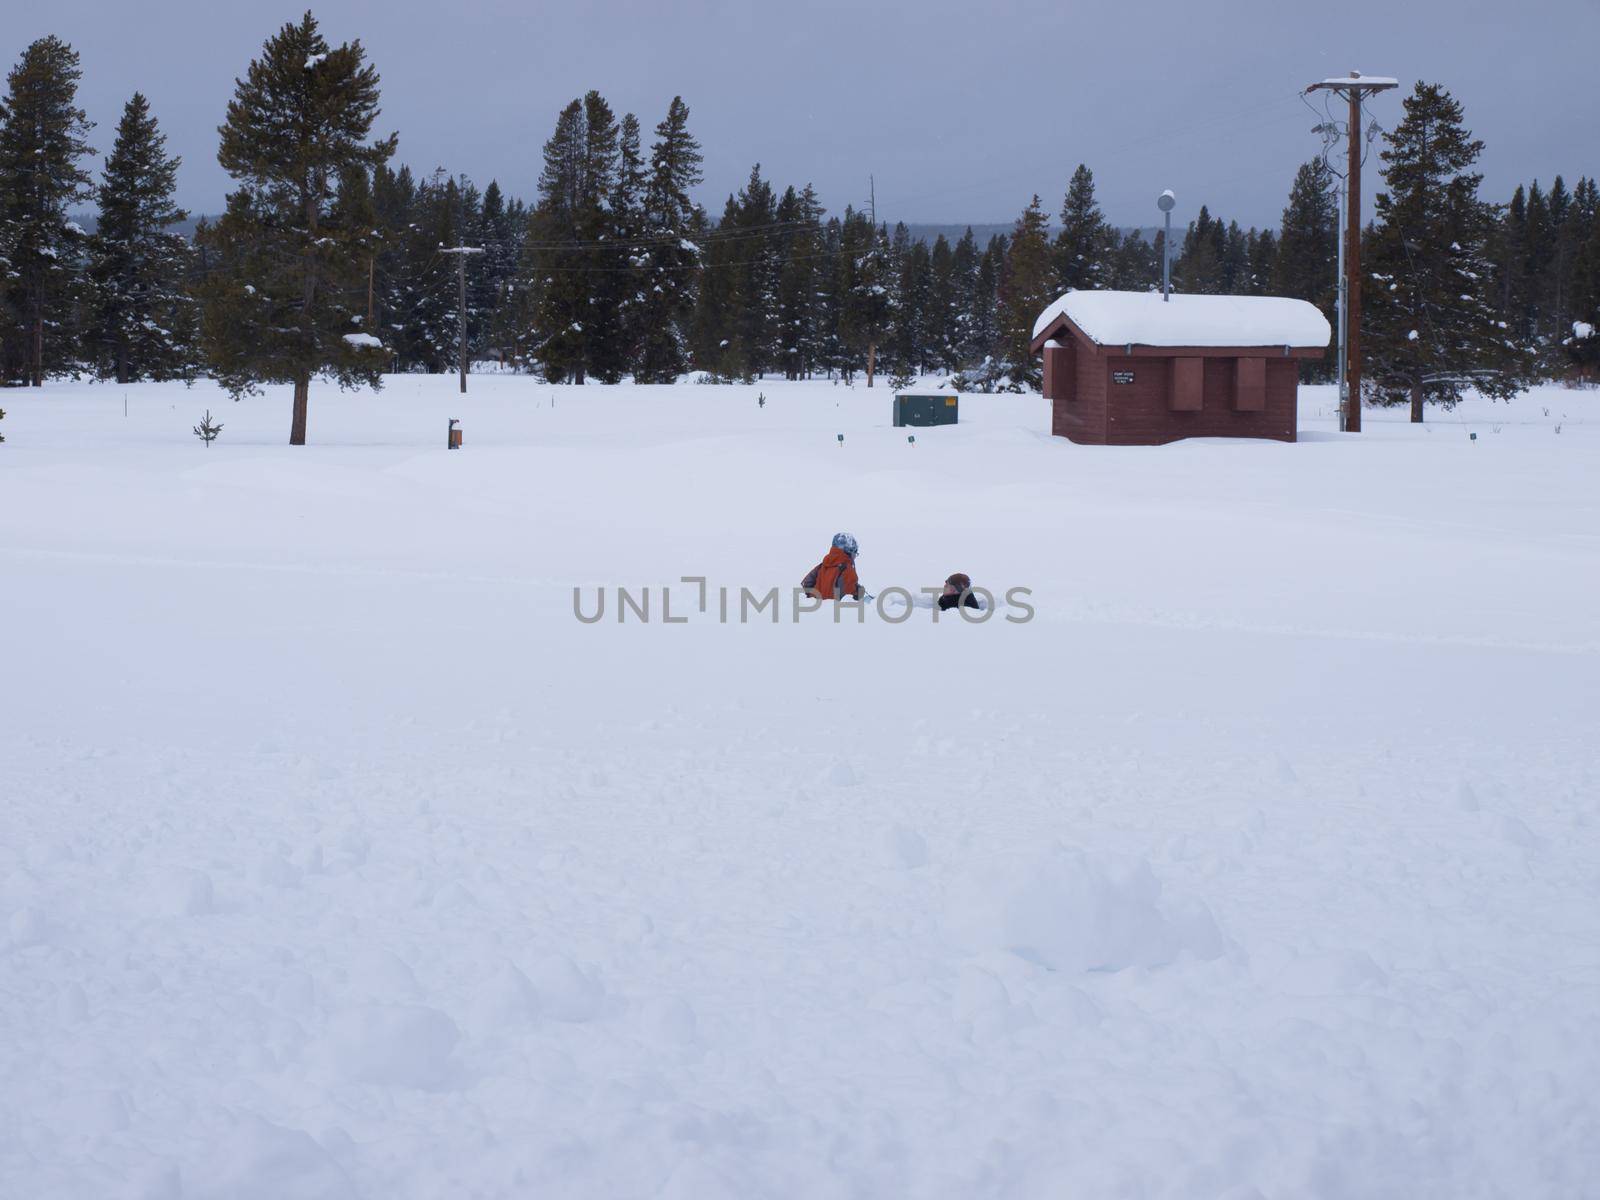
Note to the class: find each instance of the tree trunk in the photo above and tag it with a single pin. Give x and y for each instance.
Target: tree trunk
(297, 428)
(872, 360)
(37, 352)
(308, 300)
(1416, 404)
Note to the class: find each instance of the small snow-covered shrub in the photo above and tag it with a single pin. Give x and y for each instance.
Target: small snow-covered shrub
(991, 375)
(1070, 912)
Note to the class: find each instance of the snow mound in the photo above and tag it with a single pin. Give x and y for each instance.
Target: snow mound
(507, 999)
(1067, 911)
(1330, 973)
(563, 990)
(391, 1045)
(670, 1021)
(841, 774)
(258, 1160)
(185, 893)
(905, 847)
(29, 927)
(378, 973)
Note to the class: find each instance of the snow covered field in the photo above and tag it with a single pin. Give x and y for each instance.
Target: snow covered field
(338, 859)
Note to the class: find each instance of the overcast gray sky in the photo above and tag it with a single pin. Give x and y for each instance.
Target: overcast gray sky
(960, 110)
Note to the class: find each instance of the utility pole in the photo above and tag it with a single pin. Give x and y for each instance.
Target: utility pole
(1354, 87)
(461, 253)
(872, 220)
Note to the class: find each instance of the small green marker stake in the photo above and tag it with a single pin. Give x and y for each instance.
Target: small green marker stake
(912, 438)
(841, 439)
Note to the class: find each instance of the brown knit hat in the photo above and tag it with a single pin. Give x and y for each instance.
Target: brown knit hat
(960, 582)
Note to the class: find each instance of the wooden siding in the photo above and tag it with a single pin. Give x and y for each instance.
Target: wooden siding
(1091, 392)
(1088, 405)
(1142, 415)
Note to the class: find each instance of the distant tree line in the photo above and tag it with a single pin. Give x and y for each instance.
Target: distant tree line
(330, 261)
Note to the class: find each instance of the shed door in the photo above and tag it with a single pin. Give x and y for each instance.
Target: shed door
(1188, 384)
(1250, 385)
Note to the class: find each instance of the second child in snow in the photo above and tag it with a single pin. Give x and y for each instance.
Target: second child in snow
(958, 593)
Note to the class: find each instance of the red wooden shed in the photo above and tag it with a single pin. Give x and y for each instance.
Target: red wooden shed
(1131, 369)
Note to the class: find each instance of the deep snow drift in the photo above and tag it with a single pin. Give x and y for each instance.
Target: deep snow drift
(337, 858)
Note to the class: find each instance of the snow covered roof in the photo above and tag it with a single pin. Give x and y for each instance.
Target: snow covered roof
(1144, 319)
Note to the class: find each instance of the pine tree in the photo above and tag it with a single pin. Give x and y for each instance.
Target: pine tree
(1307, 251)
(1201, 266)
(470, 234)
(425, 303)
(1564, 247)
(964, 277)
(1026, 289)
(356, 208)
(1235, 261)
(671, 257)
(1262, 252)
(718, 301)
(1135, 263)
(864, 275)
(620, 288)
(605, 283)
(1538, 251)
(555, 254)
(42, 139)
(832, 354)
(1430, 329)
(1583, 342)
(1510, 279)
(755, 335)
(1084, 243)
(986, 300)
(567, 243)
(501, 238)
(943, 308)
(800, 254)
(208, 430)
(144, 320)
(910, 332)
(286, 309)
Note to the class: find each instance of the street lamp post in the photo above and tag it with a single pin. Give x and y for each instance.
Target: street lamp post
(1166, 202)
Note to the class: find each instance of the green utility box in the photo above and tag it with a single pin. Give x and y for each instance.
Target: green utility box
(924, 410)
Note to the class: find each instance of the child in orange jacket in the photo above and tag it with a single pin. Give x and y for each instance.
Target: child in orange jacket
(834, 578)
